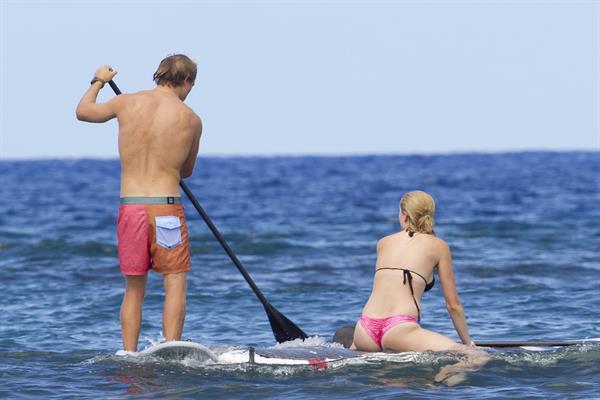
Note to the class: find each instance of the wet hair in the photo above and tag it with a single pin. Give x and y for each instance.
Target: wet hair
(419, 208)
(175, 70)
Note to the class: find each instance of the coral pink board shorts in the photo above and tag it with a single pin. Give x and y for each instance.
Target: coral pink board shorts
(152, 234)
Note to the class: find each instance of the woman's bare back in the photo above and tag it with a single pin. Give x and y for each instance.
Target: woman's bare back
(391, 294)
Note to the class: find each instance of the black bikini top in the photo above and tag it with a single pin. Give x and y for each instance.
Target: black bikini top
(408, 277)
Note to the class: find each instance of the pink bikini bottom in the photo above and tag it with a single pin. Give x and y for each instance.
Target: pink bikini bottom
(377, 327)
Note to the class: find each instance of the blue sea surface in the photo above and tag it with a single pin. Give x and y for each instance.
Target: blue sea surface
(524, 229)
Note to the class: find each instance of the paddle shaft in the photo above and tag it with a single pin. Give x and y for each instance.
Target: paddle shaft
(224, 244)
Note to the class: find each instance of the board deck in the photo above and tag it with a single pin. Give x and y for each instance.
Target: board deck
(319, 356)
(323, 357)
(179, 350)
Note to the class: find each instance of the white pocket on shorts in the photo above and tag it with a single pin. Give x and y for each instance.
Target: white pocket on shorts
(168, 231)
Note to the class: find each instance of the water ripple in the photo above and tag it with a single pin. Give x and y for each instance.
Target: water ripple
(524, 229)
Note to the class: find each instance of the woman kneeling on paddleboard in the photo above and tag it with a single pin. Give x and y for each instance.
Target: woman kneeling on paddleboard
(403, 272)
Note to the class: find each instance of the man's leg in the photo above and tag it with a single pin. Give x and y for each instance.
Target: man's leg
(174, 309)
(131, 310)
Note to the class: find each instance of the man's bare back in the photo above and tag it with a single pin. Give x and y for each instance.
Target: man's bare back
(158, 145)
(158, 142)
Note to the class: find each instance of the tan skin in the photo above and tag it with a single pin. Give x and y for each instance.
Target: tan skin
(422, 253)
(158, 144)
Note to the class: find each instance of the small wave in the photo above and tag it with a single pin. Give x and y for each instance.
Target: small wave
(313, 341)
(547, 357)
(234, 361)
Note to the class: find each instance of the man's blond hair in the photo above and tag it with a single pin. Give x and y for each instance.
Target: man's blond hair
(175, 70)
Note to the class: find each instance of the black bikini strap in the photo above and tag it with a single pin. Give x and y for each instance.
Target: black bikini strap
(395, 269)
(422, 277)
(405, 271)
(408, 277)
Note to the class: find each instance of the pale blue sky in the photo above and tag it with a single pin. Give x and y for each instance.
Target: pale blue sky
(313, 77)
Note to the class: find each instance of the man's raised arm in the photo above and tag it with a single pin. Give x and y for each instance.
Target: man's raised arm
(90, 111)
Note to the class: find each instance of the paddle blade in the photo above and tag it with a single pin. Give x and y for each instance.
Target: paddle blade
(283, 329)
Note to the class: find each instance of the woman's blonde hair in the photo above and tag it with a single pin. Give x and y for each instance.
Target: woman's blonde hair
(419, 208)
(175, 70)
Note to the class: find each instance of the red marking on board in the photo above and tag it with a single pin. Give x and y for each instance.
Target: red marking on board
(318, 364)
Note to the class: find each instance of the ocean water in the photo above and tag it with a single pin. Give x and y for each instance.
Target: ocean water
(524, 229)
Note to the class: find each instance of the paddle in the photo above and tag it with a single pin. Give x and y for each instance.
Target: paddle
(282, 327)
(345, 334)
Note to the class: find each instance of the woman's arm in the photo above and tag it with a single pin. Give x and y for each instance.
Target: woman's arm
(455, 308)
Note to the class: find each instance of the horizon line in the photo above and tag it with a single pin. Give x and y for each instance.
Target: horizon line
(319, 155)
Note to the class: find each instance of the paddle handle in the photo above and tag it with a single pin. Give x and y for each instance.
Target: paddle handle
(114, 87)
(224, 244)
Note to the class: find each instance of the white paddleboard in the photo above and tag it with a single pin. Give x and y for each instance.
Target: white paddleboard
(324, 357)
(317, 356)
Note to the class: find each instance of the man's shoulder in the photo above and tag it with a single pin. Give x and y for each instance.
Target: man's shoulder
(131, 97)
(191, 114)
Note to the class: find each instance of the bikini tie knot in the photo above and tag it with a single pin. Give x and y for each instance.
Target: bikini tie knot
(407, 276)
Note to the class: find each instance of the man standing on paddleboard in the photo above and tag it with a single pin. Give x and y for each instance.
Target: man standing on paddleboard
(158, 145)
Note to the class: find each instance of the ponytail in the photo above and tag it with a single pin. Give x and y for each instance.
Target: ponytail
(425, 224)
(419, 208)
